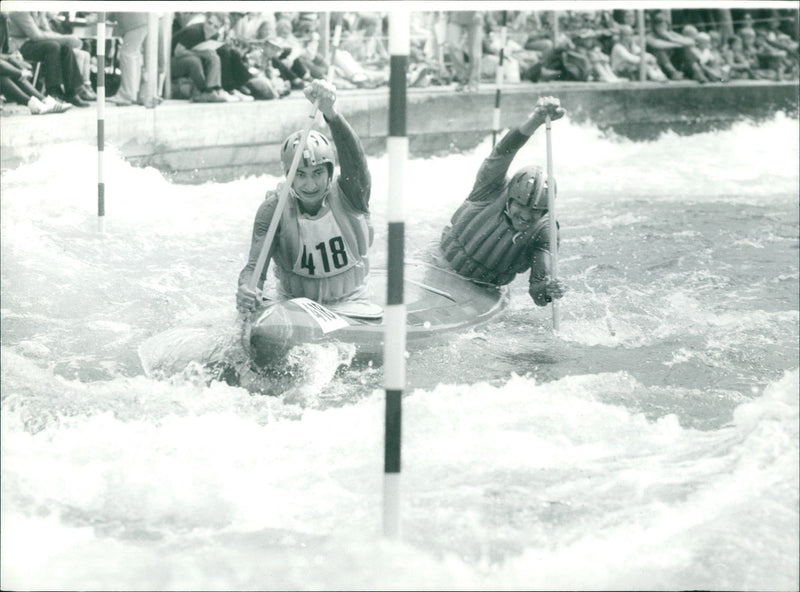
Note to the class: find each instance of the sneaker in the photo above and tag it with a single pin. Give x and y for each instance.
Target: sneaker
(229, 98)
(36, 106)
(86, 94)
(59, 107)
(241, 96)
(120, 101)
(77, 101)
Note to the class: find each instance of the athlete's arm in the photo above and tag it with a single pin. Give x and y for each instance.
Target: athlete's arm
(245, 297)
(354, 178)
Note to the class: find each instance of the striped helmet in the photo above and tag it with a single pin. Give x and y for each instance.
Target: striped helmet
(528, 187)
(318, 150)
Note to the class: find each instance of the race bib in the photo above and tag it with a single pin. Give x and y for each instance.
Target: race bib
(323, 251)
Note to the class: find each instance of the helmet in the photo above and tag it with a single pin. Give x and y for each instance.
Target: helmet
(318, 150)
(528, 186)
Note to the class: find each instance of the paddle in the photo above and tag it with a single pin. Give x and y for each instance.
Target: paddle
(284, 189)
(551, 209)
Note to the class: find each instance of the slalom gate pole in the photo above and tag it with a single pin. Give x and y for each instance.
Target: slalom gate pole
(395, 313)
(499, 83)
(551, 210)
(101, 116)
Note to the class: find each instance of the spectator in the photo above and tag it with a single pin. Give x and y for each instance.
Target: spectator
(14, 80)
(49, 22)
(254, 27)
(292, 58)
(672, 50)
(708, 59)
(351, 72)
(63, 80)
(764, 62)
(201, 65)
(372, 52)
(464, 47)
(626, 57)
(310, 61)
(596, 64)
(739, 66)
(275, 67)
(132, 28)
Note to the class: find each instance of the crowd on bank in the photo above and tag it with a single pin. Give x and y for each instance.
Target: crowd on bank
(235, 56)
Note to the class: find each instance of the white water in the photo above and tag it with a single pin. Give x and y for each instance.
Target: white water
(652, 444)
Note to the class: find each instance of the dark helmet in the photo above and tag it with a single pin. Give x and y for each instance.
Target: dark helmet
(318, 150)
(528, 187)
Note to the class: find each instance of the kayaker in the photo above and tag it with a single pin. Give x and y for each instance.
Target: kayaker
(320, 248)
(501, 229)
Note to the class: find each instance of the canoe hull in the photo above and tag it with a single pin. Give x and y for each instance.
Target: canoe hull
(437, 301)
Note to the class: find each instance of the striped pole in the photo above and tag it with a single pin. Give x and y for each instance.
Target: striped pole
(551, 210)
(101, 116)
(496, 118)
(395, 314)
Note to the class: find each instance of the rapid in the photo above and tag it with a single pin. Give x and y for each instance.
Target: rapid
(651, 444)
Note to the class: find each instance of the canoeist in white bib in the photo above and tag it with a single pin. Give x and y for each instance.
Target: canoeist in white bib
(321, 245)
(501, 229)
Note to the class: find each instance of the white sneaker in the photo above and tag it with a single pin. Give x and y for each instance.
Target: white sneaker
(228, 96)
(241, 96)
(37, 107)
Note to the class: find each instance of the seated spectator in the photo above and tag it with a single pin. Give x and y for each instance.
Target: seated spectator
(518, 63)
(50, 21)
(371, 51)
(771, 56)
(254, 27)
(275, 67)
(626, 57)
(132, 28)
(673, 51)
(766, 64)
(15, 82)
(63, 80)
(599, 64)
(201, 65)
(351, 73)
(710, 61)
(293, 52)
(310, 60)
(739, 66)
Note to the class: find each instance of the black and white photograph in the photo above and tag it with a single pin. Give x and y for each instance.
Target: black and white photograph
(314, 295)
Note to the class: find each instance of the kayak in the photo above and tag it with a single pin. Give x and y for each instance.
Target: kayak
(438, 301)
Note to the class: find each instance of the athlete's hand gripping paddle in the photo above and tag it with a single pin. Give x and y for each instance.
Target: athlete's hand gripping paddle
(551, 210)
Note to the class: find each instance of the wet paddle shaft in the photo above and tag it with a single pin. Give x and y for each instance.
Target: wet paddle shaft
(551, 209)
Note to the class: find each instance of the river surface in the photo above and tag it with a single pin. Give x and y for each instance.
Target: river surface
(651, 444)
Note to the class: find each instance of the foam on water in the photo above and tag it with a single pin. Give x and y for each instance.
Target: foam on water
(653, 443)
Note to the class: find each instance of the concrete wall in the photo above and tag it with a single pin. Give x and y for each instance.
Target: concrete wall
(196, 142)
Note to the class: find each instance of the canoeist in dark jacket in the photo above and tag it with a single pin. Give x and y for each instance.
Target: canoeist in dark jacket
(502, 228)
(320, 247)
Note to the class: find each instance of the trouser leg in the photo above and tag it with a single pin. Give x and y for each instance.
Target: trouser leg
(12, 91)
(131, 62)
(48, 52)
(70, 72)
(212, 69)
(191, 66)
